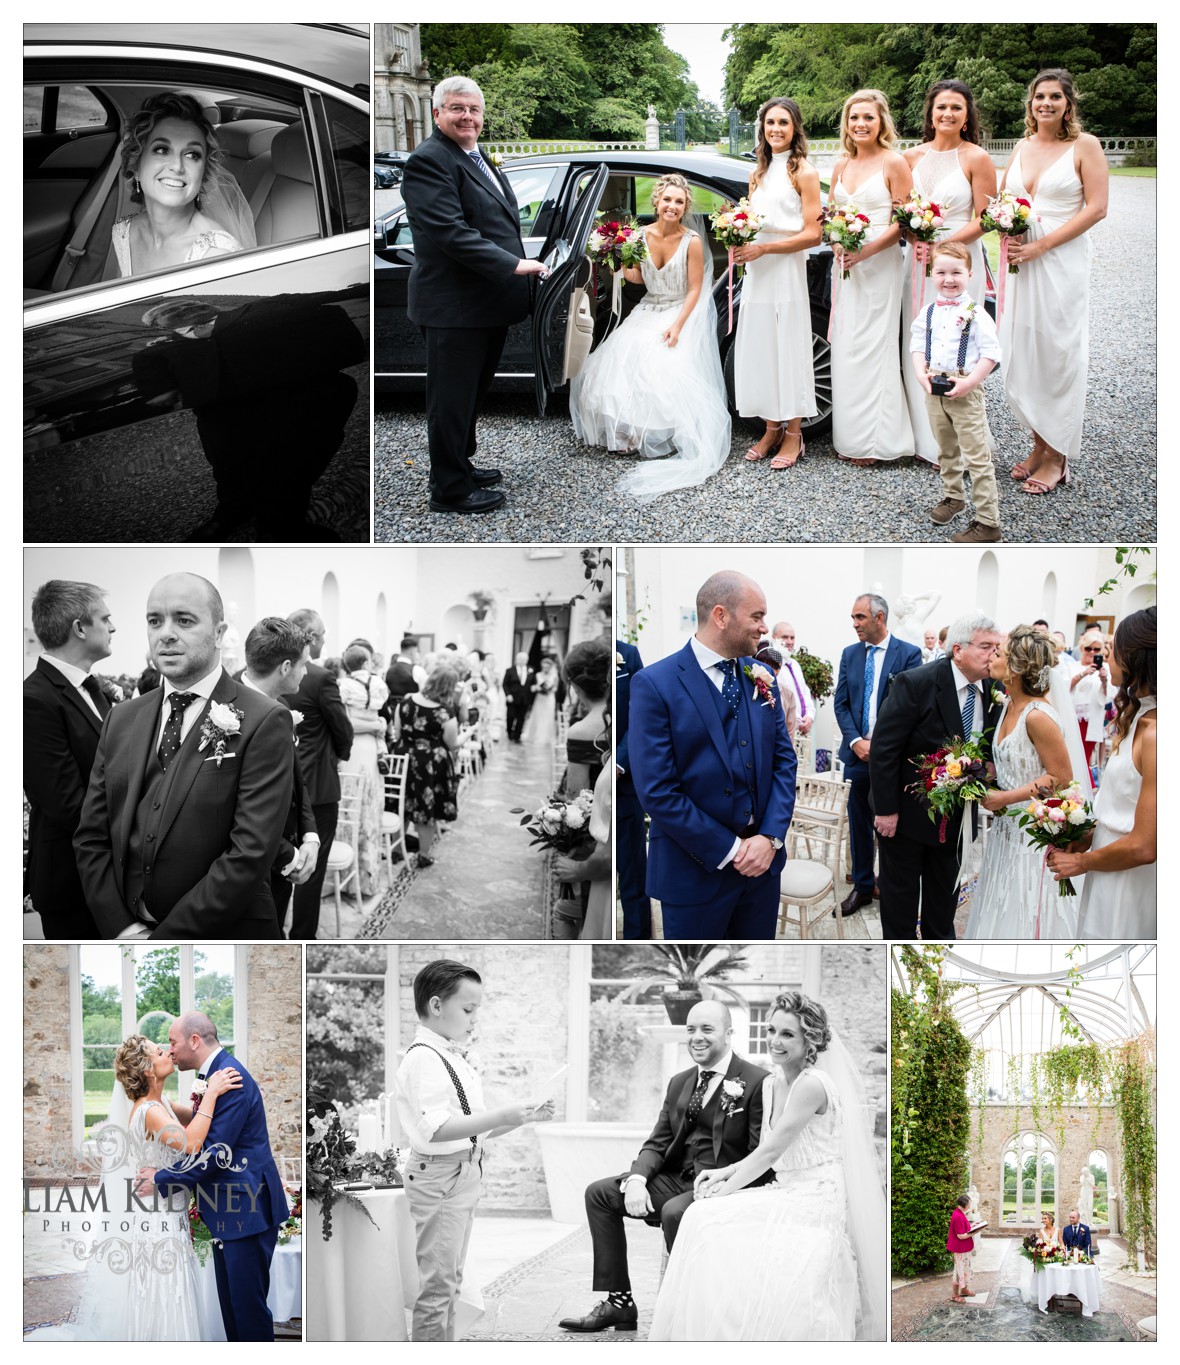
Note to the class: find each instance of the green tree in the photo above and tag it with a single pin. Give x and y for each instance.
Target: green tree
(157, 982)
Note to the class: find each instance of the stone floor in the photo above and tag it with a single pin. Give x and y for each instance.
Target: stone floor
(922, 1311)
(486, 882)
(863, 924)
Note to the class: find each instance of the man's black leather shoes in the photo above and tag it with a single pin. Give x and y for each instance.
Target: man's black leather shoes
(854, 901)
(876, 887)
(486, 478)
(602, 1316)
(482, 500)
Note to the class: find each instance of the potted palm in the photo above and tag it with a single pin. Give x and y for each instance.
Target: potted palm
(694, 971)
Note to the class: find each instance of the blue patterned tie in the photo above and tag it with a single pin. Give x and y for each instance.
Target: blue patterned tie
(730, 688)
(870, 677)
(482, 165)
(969, 711)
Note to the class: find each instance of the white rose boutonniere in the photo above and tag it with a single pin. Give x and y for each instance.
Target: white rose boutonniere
(497, 159)
(200, 1085)
(220, 725)
(763, 680)
(731, 1092)
(296, 722)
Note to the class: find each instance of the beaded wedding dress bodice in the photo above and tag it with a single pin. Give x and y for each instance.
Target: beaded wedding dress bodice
(667, 285)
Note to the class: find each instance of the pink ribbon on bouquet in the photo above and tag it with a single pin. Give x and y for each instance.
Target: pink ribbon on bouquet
(914, 304)
(730, 274)
(1004, 240)
(837, 276)
(1041, 883)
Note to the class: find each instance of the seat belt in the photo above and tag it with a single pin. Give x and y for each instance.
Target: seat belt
(76, 247)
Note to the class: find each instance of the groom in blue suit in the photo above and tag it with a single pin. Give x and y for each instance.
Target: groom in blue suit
(714, 768)
(875, 658)
(243, 1204)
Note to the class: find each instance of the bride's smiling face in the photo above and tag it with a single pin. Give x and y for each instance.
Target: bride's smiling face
(672, 204)
(786, 1041)
(172, 165)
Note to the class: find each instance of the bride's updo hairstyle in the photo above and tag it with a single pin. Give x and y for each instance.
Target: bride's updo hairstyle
(587, 667)
(1031, 656)
(813, 1020)
(673, 181)
(142, 124)
(1134, 643)
(133, 1065)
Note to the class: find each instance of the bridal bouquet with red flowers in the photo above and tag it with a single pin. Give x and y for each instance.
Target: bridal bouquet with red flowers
(920, 219)
(844, 226)
(1010, 216)
(561, 823)
(949, 779)
(617, 244)
(1056, 821)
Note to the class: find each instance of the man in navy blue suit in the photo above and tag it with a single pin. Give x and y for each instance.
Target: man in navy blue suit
(630, 830)
(242, 1203)
(865, 670)
(714, 767)
(1077, 1234)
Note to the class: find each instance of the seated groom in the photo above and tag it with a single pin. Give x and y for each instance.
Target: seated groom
(712, 1116)
(714, 768)
(190, 789)
(1077, 1234)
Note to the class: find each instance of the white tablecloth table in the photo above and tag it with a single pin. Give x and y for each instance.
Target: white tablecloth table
(1083, 1281)
(285, 1299)
(360, 1283)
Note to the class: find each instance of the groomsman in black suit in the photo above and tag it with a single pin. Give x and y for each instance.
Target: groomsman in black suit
(469, 284)
(520, 689)
(64, 708)
(325, 740)
(276, 660)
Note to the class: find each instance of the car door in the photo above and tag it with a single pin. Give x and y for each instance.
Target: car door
(563, 321)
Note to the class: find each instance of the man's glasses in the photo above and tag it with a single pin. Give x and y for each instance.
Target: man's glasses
(464, 108)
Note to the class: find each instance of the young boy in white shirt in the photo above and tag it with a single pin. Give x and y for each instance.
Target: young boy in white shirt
(953, 348)
(441, 1109)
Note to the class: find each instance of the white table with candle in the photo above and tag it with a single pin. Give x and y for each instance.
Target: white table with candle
(1083, 1281)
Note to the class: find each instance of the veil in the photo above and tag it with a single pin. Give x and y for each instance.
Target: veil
(1062, 702)
(701, 446)
(868, 1227)
(223, 201)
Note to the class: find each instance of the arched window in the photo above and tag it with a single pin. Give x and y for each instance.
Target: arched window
(987, 582)
(1099, 1165)
(1028, 1179)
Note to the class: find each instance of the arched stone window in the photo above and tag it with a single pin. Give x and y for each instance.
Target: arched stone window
(1028, 1175)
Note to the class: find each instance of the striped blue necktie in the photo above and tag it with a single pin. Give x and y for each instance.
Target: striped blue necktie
(870, 678)
(482, 165)
(969, 711)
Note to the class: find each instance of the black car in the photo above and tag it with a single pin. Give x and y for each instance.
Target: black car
(291, 106)
(560, 195)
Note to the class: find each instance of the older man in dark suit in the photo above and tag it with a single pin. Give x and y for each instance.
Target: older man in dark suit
(468, 286)
(325, 740)
(190, 789)
(64, 708)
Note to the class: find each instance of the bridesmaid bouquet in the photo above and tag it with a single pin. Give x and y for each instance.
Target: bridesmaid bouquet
(1056, 822)
(948, 779)
(1010, 216)
(617, 244)
(735, 225)
(844, 227)
(562, 824)
(920, 219)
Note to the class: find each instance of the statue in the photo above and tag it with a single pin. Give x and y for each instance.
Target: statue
(908, 615)
(1086, 1195)
(973, 1195)
(651, 111)
(232, 657)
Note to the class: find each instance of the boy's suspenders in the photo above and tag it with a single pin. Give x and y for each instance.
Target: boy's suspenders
(962, 360)
(454, 1075)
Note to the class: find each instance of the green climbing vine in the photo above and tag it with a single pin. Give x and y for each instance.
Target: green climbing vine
(1133, 1076)
(979, 1070)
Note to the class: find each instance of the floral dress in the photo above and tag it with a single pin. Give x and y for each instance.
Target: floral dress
(430, 784)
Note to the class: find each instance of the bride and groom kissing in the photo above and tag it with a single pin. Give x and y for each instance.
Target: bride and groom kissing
(144, 1287)
(751, 1176)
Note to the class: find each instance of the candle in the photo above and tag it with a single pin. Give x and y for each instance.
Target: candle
(367, 1141)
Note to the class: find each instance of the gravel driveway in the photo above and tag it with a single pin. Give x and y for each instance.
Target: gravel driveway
(560, 491)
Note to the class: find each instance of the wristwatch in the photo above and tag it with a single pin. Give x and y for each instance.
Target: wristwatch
(778, 843)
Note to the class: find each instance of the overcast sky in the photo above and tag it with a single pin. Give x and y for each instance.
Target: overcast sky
(702, 46)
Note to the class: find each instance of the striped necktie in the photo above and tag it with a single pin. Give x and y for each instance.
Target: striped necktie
(969, 711)
(483, 166)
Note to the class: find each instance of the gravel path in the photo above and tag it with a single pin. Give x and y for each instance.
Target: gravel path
(560, 491)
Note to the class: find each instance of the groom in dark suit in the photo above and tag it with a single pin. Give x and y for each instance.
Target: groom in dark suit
(469, 284)
(714, 768)
(865, 671)
(190, 789)
(520, 691)
(243, 1204)
(64, 708)
(947, 699)
(711, 1117)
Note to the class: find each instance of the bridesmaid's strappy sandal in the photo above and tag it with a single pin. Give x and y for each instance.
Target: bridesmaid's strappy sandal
(754, 455)
(1038, 487)
(782, 461)
(866, 463)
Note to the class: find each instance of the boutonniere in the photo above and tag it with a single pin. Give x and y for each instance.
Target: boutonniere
(200, 1085)
(296, 722)
(111, 690)
(763, 680)
(496, 159)
(731, 1092)
(619, 664)
(995, 696)
(966, 315)
(221, 724)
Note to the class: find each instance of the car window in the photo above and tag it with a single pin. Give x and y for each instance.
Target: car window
(348, 135)
(62, 109)
(530, 185)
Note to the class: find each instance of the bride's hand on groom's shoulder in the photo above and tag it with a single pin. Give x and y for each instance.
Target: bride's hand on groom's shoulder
(226, 1079)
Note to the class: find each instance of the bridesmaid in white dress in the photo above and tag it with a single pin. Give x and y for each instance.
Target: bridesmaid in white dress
(870, 420)
(773, 374)
(1016, 897)
(1119, 897)
(1045, 329)
(952, 170)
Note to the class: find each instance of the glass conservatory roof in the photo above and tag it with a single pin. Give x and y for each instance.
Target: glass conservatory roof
(1013, 996)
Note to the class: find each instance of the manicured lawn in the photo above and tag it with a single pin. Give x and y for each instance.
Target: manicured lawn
(1143, 172)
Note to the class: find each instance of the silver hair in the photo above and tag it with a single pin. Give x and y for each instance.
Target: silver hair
(877, 605)
(963, 631)
(454, 85)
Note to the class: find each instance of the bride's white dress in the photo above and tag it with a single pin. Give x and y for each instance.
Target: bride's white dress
(216, 241)
(771, 1263)
(667, 403)
(141, 1283)
(541, 725)
(1012, 876)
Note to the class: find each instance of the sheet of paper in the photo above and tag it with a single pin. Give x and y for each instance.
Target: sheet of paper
(549, 1088)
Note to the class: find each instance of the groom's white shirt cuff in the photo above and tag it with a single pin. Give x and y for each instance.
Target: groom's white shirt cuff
(708, 660)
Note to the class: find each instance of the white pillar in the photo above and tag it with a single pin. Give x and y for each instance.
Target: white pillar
(577, 1079)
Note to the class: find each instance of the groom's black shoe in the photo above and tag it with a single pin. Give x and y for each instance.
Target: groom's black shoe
(482, 500)
(486, 478)
(602, 1316)
(854, 901)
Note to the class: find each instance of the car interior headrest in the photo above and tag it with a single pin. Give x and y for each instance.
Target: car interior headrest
(289, 155)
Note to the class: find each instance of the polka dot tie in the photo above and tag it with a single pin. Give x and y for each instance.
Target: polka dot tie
(697, 1102)
(731, 688)
(170, 740)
